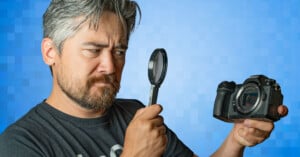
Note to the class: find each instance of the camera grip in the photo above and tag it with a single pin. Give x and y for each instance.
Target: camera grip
(218, 106)
(224, 91)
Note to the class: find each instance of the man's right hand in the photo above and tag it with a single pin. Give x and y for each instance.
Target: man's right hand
(146, 133)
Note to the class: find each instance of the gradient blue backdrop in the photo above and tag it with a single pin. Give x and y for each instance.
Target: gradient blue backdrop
(207, 42)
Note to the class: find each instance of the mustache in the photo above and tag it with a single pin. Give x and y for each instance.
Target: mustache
(108, 79)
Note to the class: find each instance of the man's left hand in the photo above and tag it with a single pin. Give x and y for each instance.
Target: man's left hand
(252, 132)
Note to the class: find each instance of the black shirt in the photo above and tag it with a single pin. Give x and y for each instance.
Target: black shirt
(47, 132)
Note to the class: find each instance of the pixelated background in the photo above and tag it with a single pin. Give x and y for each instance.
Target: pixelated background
(207, 41)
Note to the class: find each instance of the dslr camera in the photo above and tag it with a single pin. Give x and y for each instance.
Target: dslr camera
(257, 98)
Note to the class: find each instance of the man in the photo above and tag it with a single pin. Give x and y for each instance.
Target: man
(85, 44)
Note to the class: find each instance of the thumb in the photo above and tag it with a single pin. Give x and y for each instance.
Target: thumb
(282, 110)
(139, 112)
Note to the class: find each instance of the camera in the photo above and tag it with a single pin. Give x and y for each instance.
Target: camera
(257, 98)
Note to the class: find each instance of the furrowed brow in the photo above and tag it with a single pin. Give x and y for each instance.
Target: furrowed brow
(100, 45)
(94, 44)
(121, 46)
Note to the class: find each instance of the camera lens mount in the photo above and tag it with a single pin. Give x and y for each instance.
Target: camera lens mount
(248, 98)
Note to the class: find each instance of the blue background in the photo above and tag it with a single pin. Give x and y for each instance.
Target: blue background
(207, 42)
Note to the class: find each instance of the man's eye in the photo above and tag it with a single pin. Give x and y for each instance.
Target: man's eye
(91, 52)
(120, 53)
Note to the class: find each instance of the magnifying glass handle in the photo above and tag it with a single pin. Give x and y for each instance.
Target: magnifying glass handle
(153, 94)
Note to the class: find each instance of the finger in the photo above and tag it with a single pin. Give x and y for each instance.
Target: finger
(257, 133)
(162, 130)
(247, 137)
(163, 133)
(165, 139)
(240, 137)
(138, 112)
(151, 112)
(260, 125)
(282, 110)
(158, 121)
(163, 143)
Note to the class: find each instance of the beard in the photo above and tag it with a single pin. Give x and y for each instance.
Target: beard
(100, 99)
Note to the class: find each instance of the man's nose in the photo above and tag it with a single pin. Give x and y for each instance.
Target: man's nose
(107, 63)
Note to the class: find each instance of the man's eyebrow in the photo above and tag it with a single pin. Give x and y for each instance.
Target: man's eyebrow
(121, 46)
(100, 45)
(94, 44)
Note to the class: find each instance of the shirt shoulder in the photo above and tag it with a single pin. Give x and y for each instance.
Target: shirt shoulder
(19, 138)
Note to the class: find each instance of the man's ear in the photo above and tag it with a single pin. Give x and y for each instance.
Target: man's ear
(49, 51)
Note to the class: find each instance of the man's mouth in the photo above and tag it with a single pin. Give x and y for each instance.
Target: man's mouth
(106, 81)
(102, 84)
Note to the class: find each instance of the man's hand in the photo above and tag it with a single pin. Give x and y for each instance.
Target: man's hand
(252, 132)
(247, 133)
(146, 133)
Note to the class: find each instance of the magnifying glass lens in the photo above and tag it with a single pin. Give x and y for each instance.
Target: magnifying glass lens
(157, 69)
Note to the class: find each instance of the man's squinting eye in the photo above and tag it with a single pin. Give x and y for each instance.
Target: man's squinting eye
(91, 52)
(120, 52)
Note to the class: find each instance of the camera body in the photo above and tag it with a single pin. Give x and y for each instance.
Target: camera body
(257, 98)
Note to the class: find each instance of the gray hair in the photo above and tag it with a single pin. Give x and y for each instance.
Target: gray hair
(63, 18)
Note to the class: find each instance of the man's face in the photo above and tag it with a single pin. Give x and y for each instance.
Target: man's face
(90, 66)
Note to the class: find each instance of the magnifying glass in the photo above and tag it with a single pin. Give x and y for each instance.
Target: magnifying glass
(157, 69)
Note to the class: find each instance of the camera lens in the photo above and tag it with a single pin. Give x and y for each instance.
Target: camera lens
(248, 98)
